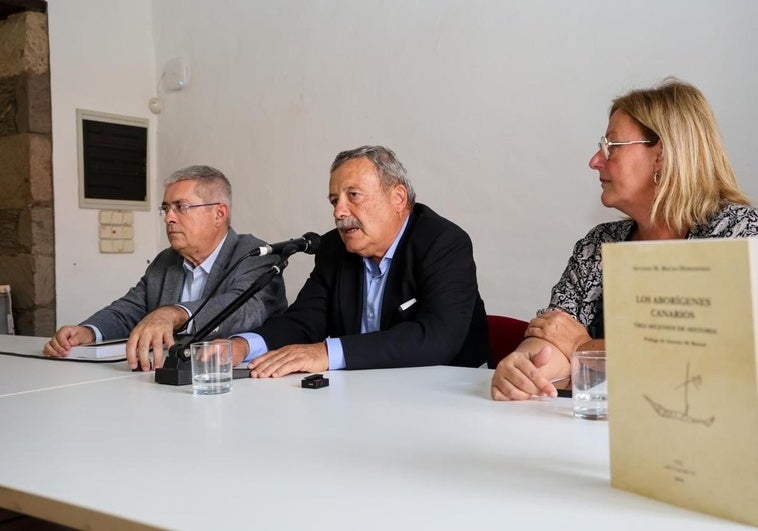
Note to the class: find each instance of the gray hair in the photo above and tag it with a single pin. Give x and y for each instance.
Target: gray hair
(391, 170)
(210, 184)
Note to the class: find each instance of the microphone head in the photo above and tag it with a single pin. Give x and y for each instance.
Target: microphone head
(314, 241)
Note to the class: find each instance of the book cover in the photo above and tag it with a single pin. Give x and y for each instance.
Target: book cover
(680, 321)
(115, 348)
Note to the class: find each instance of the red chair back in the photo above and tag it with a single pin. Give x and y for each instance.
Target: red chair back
(505, 335)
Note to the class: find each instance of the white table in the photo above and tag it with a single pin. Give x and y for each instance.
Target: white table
(22, 375)
(421, 448)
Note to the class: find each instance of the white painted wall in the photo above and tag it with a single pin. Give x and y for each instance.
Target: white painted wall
(495, 107)
(101, 58)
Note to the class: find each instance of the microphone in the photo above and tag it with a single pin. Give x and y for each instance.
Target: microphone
(308, 243)
(176, 367)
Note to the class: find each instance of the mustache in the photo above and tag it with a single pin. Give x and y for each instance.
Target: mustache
(347, 223)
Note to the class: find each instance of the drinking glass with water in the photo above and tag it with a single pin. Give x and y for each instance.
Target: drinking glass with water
(211, 367)
(589, 386)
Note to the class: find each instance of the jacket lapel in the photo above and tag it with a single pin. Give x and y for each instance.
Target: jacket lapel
(400, 270)
(351, 293)
(173, 283)
(222, 262)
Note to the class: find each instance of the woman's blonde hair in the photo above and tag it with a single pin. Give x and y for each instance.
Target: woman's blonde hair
(696, 178)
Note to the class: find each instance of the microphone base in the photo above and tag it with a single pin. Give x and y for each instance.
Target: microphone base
(175, 372)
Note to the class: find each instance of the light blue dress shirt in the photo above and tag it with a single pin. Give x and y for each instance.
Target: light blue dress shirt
(374, 281)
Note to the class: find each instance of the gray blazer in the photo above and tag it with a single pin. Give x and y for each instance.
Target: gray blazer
(164, 279)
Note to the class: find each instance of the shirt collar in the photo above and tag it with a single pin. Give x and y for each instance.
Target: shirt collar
(207, 264)
(390, 254)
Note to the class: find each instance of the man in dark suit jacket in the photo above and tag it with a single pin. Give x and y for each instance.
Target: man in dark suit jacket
(196, 209)
(393, 286)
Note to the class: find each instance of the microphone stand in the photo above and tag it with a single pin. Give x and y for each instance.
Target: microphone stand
(177, 369)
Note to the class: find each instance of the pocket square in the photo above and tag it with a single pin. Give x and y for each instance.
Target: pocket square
(407, 304)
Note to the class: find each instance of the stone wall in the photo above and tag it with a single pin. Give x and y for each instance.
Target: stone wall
(27, 235)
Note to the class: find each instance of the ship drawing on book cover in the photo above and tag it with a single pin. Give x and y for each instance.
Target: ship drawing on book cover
(682, 415)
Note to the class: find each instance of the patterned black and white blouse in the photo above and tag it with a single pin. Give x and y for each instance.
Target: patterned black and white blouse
(579, 292)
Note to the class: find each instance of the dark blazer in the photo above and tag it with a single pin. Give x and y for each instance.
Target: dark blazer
(164, 279)
(433, 264)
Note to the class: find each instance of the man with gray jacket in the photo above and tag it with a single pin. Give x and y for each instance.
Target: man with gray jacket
(196, 210)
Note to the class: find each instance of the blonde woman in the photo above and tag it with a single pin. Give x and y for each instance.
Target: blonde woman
(662, 163)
